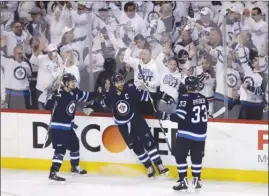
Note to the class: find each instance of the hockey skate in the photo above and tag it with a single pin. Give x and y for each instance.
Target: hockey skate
(162, 170)
(196, 183)
(54, 178)
(151, 172)
(76, 170)
(182, 185)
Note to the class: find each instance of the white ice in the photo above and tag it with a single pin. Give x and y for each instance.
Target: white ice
(35, 183)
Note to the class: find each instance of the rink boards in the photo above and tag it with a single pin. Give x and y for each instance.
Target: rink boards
(235, 151)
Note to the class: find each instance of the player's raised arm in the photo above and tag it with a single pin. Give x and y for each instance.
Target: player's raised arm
(85, 96)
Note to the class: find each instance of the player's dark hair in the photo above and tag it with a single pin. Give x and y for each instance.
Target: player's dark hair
(128, 4)
(259, 11)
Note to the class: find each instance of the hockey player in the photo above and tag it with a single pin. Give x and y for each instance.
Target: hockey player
(191, 116)
(63, 136)
(125, 103)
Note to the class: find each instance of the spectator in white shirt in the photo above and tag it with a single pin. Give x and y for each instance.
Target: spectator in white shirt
(16, 74)
(16, 37)
(258, 27)
(48, 70)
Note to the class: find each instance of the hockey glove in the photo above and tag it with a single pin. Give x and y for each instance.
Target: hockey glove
(167, 99)
(87, 110)
(56, 96)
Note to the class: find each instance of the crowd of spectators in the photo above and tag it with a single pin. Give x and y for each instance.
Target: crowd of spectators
(224, 44)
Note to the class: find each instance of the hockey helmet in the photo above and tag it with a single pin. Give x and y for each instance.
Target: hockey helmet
(117, 77)
(68, 77)
(192, 83)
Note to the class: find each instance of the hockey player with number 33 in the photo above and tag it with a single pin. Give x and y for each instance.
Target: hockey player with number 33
(192, 116)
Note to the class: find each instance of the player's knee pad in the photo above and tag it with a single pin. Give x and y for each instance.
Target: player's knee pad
(74, 147)
(138, 149)
(60, 150)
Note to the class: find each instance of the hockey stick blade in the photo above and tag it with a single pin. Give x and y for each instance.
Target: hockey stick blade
(220, 112)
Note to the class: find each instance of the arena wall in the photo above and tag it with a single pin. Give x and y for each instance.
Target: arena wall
(236, 150)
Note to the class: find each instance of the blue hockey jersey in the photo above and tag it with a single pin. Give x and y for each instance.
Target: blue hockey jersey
(124, 104)
(64, 112)
(191, 116)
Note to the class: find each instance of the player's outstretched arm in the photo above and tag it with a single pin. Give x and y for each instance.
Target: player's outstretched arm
(84, 96)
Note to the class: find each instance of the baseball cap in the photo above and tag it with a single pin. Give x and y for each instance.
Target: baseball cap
(52, 47)
(205, 11)
(233, 9)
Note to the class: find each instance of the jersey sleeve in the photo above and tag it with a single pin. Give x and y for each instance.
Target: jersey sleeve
(84, 96)
(181, 110)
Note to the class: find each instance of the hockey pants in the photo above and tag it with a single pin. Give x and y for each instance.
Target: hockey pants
(196, 148)
(139, 138)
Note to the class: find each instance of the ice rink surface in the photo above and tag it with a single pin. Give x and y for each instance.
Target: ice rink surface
(35, 183)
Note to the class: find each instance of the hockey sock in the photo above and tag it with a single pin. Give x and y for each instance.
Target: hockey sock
(196, 170)
(154, 156)
(74, 158)
(182, 168)
(144, 159)
(57, 161)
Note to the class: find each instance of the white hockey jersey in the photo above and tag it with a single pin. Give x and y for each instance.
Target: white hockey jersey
(206, 85)
(253, 80)
(150, 71)
(184, 62)
(15, 73)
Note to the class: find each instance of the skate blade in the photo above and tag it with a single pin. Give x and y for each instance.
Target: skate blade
(185, 191)
(166, 174)
(52, 182)
(76, 174)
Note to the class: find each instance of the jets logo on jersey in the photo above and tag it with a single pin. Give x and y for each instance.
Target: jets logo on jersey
(70, 109)
(122, 107)
(153, 16)
(147, 74)
(231, 80)
(20, 73)
(170, 80)
(249, 81)
(182, 56)
(201, 86)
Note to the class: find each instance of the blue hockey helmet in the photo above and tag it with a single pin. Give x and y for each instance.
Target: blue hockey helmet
(68, 77)
(192, 83)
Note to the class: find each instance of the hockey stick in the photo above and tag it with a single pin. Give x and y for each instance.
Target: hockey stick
(154, 108)
(55, 104)
(218, 113)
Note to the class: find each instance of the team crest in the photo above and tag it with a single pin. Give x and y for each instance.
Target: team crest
(231, 80)
(249, 81)
(20, 73)
(70, 109)
(123, 108)
(153, 16)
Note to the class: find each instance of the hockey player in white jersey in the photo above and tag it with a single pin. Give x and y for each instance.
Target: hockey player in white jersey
(170, 78)
(146, 69)
(251, 91)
